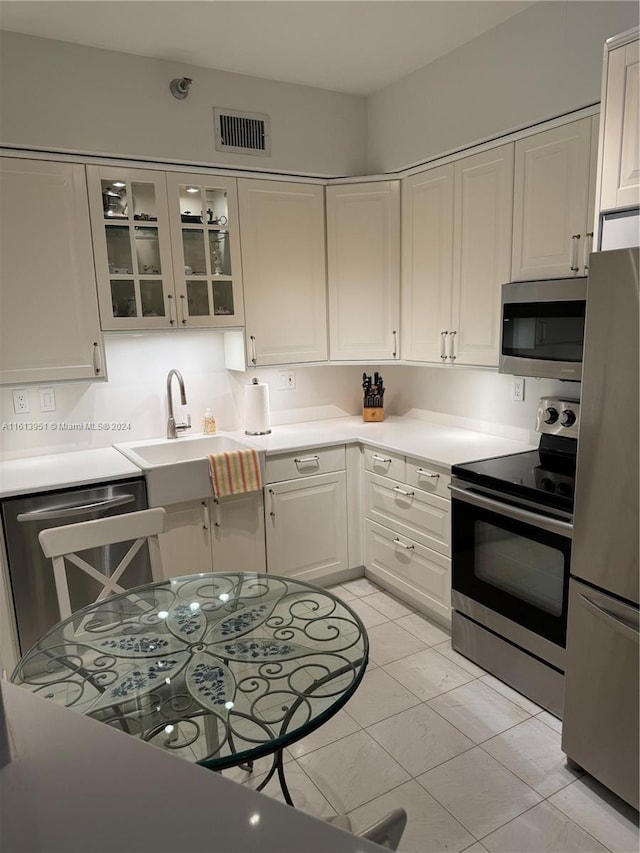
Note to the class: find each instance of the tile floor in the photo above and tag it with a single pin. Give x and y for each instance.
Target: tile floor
(476, 765)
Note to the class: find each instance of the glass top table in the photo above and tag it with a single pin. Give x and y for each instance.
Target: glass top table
(219, 668)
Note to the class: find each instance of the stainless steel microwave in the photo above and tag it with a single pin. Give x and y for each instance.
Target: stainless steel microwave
(543, 328)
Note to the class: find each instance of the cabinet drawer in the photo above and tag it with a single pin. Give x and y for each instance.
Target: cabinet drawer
(418, 574)
(384, 462)
(409, 511)
(306, 463)
(429, 478)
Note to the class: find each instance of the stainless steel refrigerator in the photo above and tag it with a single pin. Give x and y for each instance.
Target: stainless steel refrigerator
(600, 723)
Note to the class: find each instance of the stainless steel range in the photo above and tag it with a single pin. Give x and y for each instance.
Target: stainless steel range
(512, 525)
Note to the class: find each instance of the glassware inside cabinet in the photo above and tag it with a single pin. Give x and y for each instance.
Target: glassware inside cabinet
(194, 252)
(144, 201)
(223, 298)
(118, 249)
(198, 298)
(217, 208)
(147, 250)
(152, 298)
(114, 199)
(123, 298)
(219, 253)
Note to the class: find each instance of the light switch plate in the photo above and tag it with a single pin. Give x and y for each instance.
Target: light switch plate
(47, 400)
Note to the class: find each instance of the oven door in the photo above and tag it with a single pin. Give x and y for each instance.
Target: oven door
(513, 561)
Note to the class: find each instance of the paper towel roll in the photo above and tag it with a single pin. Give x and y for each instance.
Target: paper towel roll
(256, 409)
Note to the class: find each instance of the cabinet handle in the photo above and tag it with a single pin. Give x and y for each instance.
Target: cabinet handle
(97, 358)
(307, 460)
(272, 512)
(443, 345)
(574, 253)
(172, 319)
(400, 491)
(452, 344)
(206, 521)
(403, 545)
(182, 315)
(254, 359)
(422, 473)
(588, 246)
(216, 508)
(395, 344)
(384, 459)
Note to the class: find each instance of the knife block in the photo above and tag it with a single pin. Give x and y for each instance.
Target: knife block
(372, 414)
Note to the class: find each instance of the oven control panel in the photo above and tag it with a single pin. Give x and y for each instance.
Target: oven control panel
(557, 416)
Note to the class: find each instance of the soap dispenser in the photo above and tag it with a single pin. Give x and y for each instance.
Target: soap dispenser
(208, 422)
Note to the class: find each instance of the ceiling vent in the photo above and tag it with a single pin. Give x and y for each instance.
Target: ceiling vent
(242, 133)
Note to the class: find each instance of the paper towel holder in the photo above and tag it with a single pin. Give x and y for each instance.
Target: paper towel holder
(254, 381)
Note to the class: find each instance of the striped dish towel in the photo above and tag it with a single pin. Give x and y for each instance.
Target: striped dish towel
(234, 472)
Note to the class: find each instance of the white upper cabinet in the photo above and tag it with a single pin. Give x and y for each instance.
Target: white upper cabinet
(49, 325)
(203, 211)
(363, 248)
(483, 205)
(551, 219)
(620, 153)
(427, 263)
(132, 248)
(166, 248)
(282, 227)
(456, 255)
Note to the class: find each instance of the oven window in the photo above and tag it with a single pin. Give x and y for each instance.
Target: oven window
(551, 331)
(531, 571)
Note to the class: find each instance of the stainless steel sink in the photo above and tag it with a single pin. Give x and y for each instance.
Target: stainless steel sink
(178, 469)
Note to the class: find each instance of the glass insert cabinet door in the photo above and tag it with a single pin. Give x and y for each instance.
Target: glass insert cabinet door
(206, 249)
(132, 248)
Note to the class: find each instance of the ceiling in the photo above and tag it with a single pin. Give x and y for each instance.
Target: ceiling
(353, 46)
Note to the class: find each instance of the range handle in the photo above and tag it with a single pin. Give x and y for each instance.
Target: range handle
(562, 528)
(73, 511)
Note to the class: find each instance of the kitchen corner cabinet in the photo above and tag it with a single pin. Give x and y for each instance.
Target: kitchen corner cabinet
(209, 535)
(620, 154)
(552, 223)
(305, 499)
(457, 222)
(49, 323)
(284, 271)
(363, 250)
(408, 530)
(166, 249)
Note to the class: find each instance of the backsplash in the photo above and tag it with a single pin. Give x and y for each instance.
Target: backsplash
(132, 403)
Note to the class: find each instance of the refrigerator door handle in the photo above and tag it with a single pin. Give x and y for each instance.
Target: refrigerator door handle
(629, 630)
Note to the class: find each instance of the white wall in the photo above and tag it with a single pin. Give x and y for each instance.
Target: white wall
(135, 395)
(61, 96)
(542, 63)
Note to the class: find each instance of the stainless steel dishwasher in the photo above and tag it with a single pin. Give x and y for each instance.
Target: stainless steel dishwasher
(31, 573)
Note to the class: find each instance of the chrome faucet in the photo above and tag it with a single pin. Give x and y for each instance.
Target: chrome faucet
(172, 426)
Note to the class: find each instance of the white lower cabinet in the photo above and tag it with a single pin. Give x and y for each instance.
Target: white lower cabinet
(417, 574)
(306, 517)
(407, 530)
(208, 535)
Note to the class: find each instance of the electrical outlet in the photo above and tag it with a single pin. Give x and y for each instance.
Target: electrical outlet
(21, 401)
(287, 379)
(47, 400)
(517, 389)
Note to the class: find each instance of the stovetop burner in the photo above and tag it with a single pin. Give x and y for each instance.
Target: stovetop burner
(545, 476)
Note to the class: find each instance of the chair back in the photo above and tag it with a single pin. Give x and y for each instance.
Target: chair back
(60, 544)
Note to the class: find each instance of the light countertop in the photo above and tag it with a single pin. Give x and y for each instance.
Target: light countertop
(64, 470)
(429, 442)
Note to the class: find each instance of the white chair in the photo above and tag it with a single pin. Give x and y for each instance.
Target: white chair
(62, 543)
(386, 832)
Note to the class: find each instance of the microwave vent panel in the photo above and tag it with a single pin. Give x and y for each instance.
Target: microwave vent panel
(242, 133)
